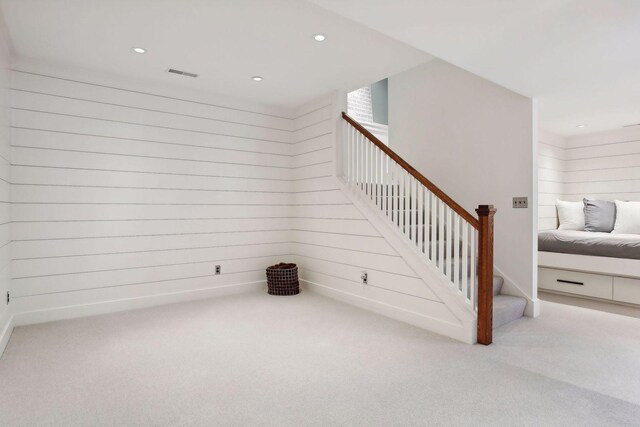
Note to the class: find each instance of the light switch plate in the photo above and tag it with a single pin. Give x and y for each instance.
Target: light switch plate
(520, 202)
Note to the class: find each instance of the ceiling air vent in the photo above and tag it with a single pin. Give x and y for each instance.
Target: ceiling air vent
(182, 73)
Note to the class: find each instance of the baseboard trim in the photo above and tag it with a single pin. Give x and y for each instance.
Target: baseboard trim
(457, 332)
(6, 328)
(104, 307)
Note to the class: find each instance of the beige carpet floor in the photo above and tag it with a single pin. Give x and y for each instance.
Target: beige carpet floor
(258, 360)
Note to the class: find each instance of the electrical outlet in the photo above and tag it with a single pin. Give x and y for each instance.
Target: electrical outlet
(8, 297)
(520, 202)
(365, 278)
(218, 269)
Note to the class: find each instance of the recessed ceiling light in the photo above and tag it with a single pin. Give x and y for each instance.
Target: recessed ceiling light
(139, 49)
(582, 126)
(319, 37)
(256, 78)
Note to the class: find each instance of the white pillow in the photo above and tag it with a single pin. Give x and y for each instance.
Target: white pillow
(627, 218)
(570, 215)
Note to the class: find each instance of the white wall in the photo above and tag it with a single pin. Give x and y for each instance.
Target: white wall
(127, 195)
(551, 166)
(5, 189)
(475, 140)
(603, 165)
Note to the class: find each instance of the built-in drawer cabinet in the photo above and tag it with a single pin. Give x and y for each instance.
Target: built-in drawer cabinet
(591, 285)
(626, 290)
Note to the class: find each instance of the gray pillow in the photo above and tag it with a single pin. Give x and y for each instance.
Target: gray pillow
(599, 215)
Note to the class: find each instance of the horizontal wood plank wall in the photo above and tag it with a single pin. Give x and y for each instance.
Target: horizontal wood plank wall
(334, 243)
(5, 196)
(603, 165)
(551, 165)
(124, 194)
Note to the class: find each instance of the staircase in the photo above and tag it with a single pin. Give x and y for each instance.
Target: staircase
(452, 241)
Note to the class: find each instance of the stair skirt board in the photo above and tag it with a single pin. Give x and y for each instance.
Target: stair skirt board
(6, 328)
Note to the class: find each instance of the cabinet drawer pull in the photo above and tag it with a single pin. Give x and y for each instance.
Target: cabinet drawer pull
(570, 282)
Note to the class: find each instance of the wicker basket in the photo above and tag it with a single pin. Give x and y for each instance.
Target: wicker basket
(282, 279)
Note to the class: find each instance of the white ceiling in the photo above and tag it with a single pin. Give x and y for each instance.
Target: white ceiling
(579, 58)
(225, 42)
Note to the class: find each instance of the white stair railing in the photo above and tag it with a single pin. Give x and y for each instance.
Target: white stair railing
(446, 235)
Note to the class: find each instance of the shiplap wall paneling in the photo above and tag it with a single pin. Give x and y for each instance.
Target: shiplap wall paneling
(122, 193)
(604, 165)
(551, 166)
(5, 195)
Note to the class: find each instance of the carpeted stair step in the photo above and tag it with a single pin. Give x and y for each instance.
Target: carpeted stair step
(498, 281)
(507, 308)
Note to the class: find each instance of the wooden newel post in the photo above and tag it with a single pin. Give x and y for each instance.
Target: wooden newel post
(485, 273)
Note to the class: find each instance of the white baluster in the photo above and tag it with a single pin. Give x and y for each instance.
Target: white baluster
(472, 260)
(361, 160)
(396, 193)
(412, 208)
(427, 223)
(356, 160)
(434, 228)
(406, 202)
(416, 213)
(401, 210)
(441, 235)
(369, 168)
(365, 162)
(381, 174)
(420, 217)
(456, 251)
(353, 157)
(465, 263)
(381, 179)
(377, 175)
(450, 243)
(393, 191)
(381, 168)
(385, 161)
(349, 154)
(409, 222)
(373, 172)
(360, 155)
(370, 165)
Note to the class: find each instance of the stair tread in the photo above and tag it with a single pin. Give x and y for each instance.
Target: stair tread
(507, 308)
(498, 281)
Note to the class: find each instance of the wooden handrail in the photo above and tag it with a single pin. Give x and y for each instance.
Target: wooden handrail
(471, 219)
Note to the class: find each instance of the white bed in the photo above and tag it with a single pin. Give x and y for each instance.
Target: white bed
(594, 253)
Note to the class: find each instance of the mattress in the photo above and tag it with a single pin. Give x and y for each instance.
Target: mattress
(590, 243)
